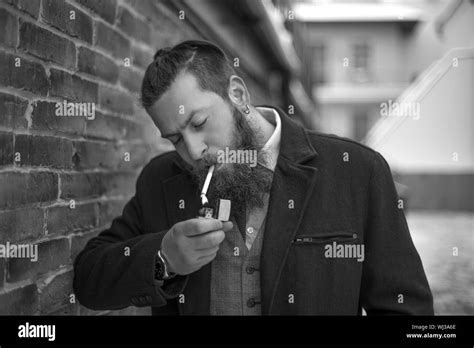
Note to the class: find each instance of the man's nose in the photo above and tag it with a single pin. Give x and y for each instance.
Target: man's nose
(196, 148)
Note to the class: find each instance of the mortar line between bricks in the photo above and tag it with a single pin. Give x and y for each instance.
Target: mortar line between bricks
(68, 171)
(132, 10)
(48, 277)
(8, 287)
(29, 96)
(65, 202)
(38, 22)
(107, 54)
(98, 18)
(74, 137)
(48, 65)
(25, 282)
(45, 221)
(45, 25)
(76, 41)
(59, 186)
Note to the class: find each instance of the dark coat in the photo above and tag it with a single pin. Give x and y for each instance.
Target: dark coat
(324, 189)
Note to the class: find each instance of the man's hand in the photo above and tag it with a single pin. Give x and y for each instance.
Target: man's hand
(191, 244)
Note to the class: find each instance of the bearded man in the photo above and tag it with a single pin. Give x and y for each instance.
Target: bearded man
(307, 193)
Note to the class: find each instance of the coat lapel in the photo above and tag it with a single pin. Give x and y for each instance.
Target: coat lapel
(292, 186)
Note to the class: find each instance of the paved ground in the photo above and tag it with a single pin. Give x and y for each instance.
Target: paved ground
(451, 277)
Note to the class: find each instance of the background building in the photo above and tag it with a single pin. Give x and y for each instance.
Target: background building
(416, 60)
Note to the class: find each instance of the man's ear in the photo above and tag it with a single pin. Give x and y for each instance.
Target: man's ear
(238, 92)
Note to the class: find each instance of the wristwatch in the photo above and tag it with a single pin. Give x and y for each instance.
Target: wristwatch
(162, 268)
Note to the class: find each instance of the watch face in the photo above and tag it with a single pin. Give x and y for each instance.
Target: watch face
(159, 269)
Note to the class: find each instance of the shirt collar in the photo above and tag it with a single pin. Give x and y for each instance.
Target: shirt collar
(272, 146)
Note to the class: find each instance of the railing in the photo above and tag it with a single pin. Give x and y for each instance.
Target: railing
(416, 92)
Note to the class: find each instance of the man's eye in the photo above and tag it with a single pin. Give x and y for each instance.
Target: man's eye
(201, 124)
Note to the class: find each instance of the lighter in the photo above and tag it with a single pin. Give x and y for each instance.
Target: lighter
(221, 210)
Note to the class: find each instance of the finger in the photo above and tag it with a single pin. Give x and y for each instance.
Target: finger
(207, 252)
(199, 226)
(208, 240)
(227, 226)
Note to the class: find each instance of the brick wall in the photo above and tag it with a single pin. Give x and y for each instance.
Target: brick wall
(63, 179)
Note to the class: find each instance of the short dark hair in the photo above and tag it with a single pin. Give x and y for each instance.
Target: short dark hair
(206, 61)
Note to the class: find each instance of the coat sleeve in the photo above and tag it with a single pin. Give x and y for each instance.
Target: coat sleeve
(116, 269)
(393, 279)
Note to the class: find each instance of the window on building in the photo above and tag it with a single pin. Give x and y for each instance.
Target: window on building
(319, 64)
(361, 124)
(361, 62)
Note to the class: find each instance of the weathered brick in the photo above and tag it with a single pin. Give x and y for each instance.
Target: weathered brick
(68, 19)
(78, 243)
(81, 185)
(51, 255)
(12, 109)
(43, 151)
(139, 154)
(119, 183)
(116, 100)
(21, 188)
(109, 210)
(141, 57)
(133, 26)
(95, 155)
(111, 40)
(96, 64)
(72, 87)
(104, 8)
(21, 301)
(44, 44)
(147, 9)
(90, 185)
(90, 155)
(29, 6)
(8, 28)
(29, 76)
(21, 224)
(6, 148)
(131, 79)
(64, 220)
(136, 131)
(44, 118)
(56, 293)
(113, 128)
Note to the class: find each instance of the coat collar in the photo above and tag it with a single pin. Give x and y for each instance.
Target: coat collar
(295, 145)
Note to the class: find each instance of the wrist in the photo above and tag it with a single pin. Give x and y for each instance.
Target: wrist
(167, 270)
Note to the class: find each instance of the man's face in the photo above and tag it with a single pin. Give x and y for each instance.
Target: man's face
(197, 122)
(200, 124)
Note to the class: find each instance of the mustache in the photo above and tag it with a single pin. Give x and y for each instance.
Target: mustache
(206, 161)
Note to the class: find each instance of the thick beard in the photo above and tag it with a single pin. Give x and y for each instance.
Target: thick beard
(241, 183)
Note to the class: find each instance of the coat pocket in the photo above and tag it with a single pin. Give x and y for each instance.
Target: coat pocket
(326, 237)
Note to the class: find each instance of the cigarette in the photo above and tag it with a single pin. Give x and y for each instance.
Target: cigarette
(206, 185)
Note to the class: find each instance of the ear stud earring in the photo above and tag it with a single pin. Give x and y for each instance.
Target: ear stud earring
(247, 109)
